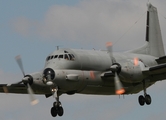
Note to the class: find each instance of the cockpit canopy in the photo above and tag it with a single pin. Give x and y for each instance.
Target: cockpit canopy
(65, 56)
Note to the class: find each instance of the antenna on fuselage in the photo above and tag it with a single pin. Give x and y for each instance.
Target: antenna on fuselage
(57, 47)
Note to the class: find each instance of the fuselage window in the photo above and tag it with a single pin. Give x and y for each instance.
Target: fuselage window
(55, 56)
(60, 56)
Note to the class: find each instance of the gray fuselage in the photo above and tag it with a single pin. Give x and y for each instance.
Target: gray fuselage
(81, 71)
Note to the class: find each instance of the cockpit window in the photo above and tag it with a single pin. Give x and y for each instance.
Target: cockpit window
(65, 51)
(55, 56)
(71, 57)
(61, 56)
(48, 58)
(52, 57)
(65, 56)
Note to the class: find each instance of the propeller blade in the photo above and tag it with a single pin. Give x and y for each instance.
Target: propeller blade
(136, 60)
(109, 49)
(118, 85)
(34, 101)
(19, 62)
(5, 89)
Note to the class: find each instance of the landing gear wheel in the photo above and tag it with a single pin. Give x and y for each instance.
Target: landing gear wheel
(141, 100)
(53, 111)
(57, 109)
(148, 99)
(60, 111)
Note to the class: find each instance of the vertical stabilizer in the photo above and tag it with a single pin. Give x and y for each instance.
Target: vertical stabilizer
(154, 44)
(153, 33)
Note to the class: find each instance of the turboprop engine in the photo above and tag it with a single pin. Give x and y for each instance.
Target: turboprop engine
(132, 71)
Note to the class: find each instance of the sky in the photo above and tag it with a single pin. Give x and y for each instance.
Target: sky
(33, 29)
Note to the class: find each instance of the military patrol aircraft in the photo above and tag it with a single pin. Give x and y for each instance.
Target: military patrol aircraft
(70, 71)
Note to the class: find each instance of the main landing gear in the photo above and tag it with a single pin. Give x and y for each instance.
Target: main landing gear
(57, 108)
(146, 98)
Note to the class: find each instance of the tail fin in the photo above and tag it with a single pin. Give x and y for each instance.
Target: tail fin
(154, 45)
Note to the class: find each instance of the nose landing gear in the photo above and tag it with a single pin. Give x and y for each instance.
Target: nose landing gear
(57, 108)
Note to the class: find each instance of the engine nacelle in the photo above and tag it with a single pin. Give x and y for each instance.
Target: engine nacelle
(132, 73)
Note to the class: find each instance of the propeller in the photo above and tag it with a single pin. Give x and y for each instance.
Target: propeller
(27, 80)
(136, 61)
(115, 67)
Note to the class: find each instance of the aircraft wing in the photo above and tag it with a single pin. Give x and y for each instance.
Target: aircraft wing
(156, 73)
(22, 89)
(161, 60)
(16, 88)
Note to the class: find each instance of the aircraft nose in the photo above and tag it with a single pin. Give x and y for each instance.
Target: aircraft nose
(48, 76)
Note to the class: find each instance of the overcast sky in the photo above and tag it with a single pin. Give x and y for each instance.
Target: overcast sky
(33, 29)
